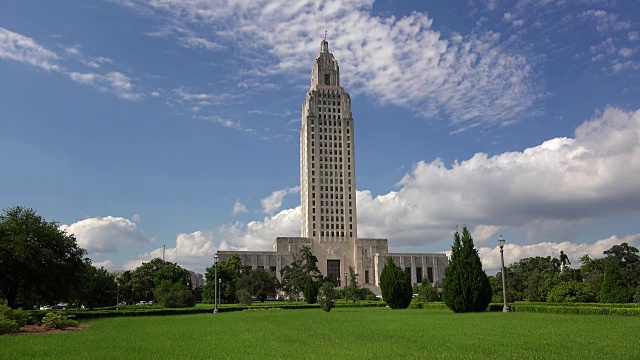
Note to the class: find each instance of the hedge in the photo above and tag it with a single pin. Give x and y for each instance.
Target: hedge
(124, 312)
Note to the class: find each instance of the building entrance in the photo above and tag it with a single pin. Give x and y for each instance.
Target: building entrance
(333, 271)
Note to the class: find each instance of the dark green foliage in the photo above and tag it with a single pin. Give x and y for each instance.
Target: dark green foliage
(8, 326)
(614, 288)
(38, 261)
(100, 288)
(259, 283)
(426, 291)
(326, 296)
(572, 291)
(466, 287)
(395, 285)
(229, 271)
(636, 296)
(310, 291)
(145, 278)
(294, 276)
(174, 295)
(628, 260)
(58, 320)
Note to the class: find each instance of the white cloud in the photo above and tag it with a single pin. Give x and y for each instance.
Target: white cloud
(17, 47)
(605, 21)
(633, 35)
(101, 235)
(239, 207)
(155, 94)
(115, 82)
(107, 264)
(403, 61)
(73, 50)
(513, 252)
(517, 23)
(136, 218)
(273, 202)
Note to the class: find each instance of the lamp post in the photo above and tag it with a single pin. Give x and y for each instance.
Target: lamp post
(118, 298)
(345, 287)
(505, 308)
(215, 284)
(219, 290)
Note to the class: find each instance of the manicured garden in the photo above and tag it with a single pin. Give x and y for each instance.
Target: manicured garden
(344, 333)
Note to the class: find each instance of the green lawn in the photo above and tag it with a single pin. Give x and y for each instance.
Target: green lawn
(344, 333)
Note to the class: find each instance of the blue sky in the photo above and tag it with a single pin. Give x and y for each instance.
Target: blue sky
(137, 124)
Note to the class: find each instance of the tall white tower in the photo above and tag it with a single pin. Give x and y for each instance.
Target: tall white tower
(327, 157)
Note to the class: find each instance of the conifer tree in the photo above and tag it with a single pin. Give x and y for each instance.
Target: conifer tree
(395, 285)
(466, 287)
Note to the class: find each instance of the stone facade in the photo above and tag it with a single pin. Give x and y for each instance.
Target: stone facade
(328, 194)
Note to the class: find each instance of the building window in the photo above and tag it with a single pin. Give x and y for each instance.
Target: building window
(327, 80)
(366, 277)
(419, 274)
(408, 270)
(430, 274)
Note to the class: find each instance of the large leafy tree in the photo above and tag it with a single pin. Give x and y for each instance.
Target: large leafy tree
(99, 289)
(614, 288)
(146, 277)
(259, 283)
(38, 260)
(466, 287)
(294, 276)
(229, 271)
(628, 261)
(395, 285)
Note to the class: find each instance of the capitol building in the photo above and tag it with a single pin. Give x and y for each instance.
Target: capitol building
(329, 225)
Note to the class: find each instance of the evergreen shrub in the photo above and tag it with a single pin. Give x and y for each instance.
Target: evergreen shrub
(395, 285)
(466, 287)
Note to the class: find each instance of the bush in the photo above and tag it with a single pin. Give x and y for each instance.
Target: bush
(57, 320)
(8, 326)
(466, 287)
(244, 296)
(636, 297)
(572, 292)
(395, 285)
(326, 296)
(310, 291)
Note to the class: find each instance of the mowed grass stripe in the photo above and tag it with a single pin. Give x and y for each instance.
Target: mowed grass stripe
(347, 333)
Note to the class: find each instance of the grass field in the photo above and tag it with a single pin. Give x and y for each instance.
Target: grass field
(344, 333)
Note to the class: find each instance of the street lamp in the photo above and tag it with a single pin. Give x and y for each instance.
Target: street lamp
(215, 284)
(345, 287)
(505, 308)
(219, 290)
(118, 298)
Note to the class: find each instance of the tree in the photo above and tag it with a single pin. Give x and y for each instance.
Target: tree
(327, 294)
(259, 283)
(145, 278)
(395, 285)
(614, 287)
(571, 291)
(466, 287)
(310, 291)
(294, 276)
(426, 291)
(38, 261)
(628, 261)
(100, 287)
(229, 271)
(174, 295)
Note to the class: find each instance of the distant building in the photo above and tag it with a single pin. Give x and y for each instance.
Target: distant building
(328, 194)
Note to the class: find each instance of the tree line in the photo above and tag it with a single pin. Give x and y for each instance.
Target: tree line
(42, 264)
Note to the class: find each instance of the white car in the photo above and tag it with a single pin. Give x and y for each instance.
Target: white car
(45, 307)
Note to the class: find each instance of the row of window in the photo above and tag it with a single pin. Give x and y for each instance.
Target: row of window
(328, 94)
(332, 233)
(324, 122)
(328, 181)
(328, 109)
(329, 102)
(329, 188)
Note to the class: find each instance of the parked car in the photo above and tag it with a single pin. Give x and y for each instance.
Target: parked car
(45, 307)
